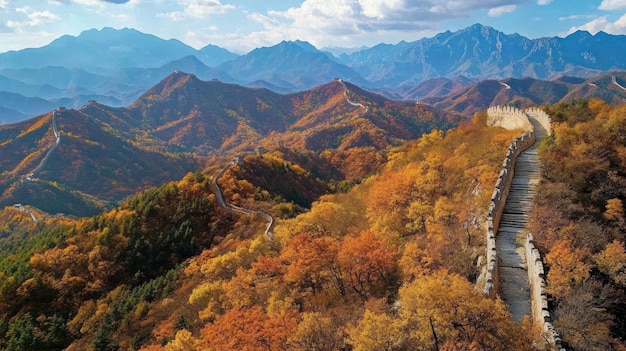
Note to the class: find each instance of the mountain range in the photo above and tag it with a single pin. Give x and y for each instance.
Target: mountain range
(521, 93)
(115, 67)
(96, 155)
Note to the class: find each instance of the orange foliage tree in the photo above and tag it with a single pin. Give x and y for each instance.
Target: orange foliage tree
(249, 330)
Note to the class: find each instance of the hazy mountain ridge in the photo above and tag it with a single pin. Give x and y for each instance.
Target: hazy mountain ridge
(116, 66)
(297, 63)
(111, 66)
(483, 52)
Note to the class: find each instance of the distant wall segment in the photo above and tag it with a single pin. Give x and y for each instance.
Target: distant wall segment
(540, 116)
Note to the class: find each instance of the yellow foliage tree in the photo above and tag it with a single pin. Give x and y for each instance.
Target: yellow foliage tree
(184, 341)
(567, 268)
(612, 261)
(445, 309)
(376, 331)
(317, 332)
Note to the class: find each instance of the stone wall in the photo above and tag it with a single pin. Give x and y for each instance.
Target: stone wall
(508, 117)
(496, 206)
(539, 297)
(513, 118)
(542, 117)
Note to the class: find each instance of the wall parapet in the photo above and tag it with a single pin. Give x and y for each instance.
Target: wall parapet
(508, 117)
(542, 117)
(539, 297)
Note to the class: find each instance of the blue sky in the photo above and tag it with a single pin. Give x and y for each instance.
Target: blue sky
(243, 25)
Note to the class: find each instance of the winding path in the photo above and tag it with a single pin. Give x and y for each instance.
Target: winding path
(57, 135)
(514, 288)
(345, 93)
(22, 208)
(616, 83)
(239, 210)
(506, 86)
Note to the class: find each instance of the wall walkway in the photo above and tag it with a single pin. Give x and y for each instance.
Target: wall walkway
(514, 267)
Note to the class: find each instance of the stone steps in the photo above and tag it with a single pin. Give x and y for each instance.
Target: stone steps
(514, 288)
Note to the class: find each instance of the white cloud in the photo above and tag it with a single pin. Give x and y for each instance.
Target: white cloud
(201, 9)
(345, 22)
(34, 18)
(612, 4)
(378, 9)
(575, 17)
(543, 2)
(98, 5)
(501, 10)
(4, 4)
(602, 24)
(359, 16)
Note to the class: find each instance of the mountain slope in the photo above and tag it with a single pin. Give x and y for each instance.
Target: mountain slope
(27, 106)
(203, 115)
(213, 56)
(90, 162)
(8, 115)
(182, 110)
(107, 153)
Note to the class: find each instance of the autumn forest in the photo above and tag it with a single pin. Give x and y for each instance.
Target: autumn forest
(378, 241)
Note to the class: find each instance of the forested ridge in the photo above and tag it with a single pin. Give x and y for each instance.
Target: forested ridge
(105, 154)
(387, 260)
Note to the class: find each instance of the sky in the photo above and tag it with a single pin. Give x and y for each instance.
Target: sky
(242, 25)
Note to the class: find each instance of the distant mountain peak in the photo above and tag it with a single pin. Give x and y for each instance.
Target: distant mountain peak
(477, 28)
(174, 81)
(180, 76)
(110, 32)
(580, 34)
(298, 44)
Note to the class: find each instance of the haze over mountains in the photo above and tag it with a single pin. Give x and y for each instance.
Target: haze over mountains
(284, 97)
(115, 67)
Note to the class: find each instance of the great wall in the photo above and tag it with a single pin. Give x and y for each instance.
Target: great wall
(511, 202)
(57, 136)
(237, 161)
